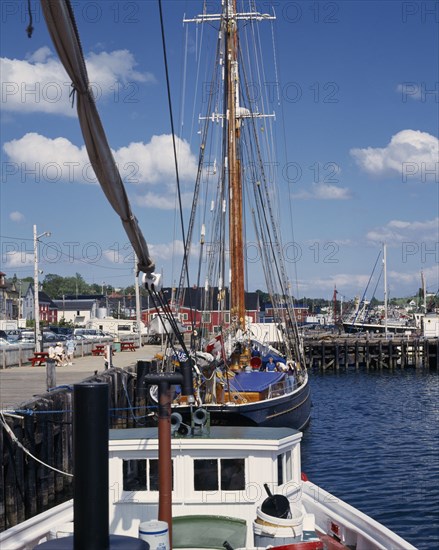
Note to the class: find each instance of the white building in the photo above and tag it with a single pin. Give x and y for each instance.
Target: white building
(78, 311)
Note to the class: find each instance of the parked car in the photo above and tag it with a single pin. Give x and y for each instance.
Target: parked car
(89, 333)
(27, 336)
(11, 336)
(49, 336)
(63, 331)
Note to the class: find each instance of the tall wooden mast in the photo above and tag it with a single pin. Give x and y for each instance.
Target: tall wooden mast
(232, 119)
(237, 296)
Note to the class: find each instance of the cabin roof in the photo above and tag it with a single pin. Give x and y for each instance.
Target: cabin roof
(216, 432)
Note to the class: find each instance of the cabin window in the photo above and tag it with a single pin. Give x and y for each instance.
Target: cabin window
(227, 318)
(142, 475)
(280, 471)
(212, 474)
(206, 475)
(284, 468)
(232, 474)
(205, 318)
(184, 316)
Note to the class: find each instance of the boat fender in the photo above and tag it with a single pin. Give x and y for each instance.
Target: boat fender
(304, 477)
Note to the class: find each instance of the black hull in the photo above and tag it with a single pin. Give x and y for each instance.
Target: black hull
(375, 328)
(292, 410)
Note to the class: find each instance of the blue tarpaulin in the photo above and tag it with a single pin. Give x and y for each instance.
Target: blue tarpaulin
(255, 381)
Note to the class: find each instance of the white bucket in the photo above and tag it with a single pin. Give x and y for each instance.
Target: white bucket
(269, 530)
(155, 533)
(60, 531)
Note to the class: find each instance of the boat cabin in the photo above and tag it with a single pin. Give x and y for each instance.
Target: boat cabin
(220, 472)
(219, 478)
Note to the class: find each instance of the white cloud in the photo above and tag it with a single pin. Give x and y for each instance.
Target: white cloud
(163, 202)
(410, 153)
(346, 281)
(159, 252)
(166, 251)
(154, 161)
(39, 56)
(40, 83)
(41, 158)
(400, 231)
(17, 259)
(431, 275)
(16, 216)
(323, 191)
(59, 160)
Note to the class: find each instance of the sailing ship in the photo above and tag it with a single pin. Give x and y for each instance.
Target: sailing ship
(363, 319)
(240, 378)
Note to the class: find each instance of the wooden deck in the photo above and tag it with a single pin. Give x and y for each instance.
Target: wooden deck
(20, 384)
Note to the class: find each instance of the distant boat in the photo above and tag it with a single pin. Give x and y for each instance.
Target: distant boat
(364, 320)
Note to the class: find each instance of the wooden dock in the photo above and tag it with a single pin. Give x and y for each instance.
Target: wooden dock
(378, 353)
(21, 384)
(42, 422)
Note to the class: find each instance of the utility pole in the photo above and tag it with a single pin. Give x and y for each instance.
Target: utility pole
(137, 292)
(38, 343)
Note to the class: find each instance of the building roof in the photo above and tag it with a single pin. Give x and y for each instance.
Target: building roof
(75, 305)
(43, 298)
(93, 297)
(198, 299)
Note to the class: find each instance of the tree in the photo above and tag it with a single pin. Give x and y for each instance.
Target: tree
(56, 286)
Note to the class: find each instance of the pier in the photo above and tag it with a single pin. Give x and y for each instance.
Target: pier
(42, 421)
(376, 352)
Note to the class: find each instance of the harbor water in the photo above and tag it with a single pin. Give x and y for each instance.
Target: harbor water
(373, 441)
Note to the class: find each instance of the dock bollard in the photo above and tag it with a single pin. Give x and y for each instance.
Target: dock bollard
(50, 374)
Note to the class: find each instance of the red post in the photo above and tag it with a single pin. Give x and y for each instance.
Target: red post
(165, 459)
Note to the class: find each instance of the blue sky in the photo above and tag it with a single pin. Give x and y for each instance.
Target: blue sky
(357, 130)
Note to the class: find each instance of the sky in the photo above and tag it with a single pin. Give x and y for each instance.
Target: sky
(357, 104)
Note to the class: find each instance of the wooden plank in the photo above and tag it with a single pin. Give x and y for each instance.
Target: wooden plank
(30, 474)
(2, 480)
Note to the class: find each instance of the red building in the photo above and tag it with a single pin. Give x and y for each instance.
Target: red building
(48, 310)
(201, 309)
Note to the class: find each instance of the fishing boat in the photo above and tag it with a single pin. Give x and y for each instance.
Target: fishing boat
(232, 487)
(240, 378)
(362, 320)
